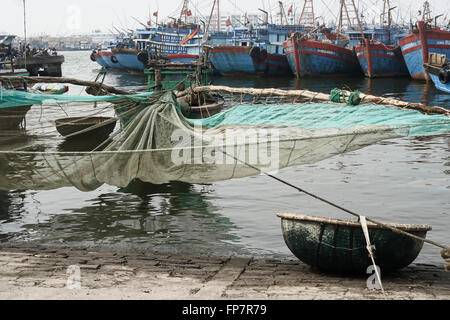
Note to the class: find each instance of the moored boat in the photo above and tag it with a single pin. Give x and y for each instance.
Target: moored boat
(380, 60)
(439, 70)
(131, 59)
(421, 41)
(97, 57)
(236, 60)
(110, 59)
(314, 57)
(339, 246)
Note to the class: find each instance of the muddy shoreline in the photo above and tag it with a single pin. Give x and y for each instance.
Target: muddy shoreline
(44, 273)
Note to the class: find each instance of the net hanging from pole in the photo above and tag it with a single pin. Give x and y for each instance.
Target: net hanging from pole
(155, 143)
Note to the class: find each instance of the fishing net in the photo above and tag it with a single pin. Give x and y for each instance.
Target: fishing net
(155, 143)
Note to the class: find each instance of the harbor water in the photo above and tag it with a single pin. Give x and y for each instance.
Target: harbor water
(404, 181)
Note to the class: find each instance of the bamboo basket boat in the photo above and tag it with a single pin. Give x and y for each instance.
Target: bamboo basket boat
(98, 127)
(339, 246)
(11, 118)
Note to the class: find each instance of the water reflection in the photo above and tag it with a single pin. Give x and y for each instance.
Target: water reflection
(172, 217)
(380, 87)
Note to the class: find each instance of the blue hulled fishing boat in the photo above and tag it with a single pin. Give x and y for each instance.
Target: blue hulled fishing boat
(329, 54)
(257, 50)
(315, 57)
(379, 53)
(422, 40)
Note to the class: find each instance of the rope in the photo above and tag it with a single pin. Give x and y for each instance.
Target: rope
(396, 230)
(338, 96)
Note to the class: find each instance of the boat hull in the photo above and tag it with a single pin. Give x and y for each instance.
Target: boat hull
(97, 57)
(182, 58)
(238, 60)
(339, 246)
(311, 57)
(417, 45)
(433, 71)
(128, 58)
(110, 60)
(11, 118)
(379, 60)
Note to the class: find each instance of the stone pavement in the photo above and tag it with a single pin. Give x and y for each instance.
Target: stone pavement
(45, 273)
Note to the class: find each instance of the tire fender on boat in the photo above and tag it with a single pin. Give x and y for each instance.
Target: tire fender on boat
(255, 53)
(143, 57)
(443, 76)
(114, 59)
(93, 57)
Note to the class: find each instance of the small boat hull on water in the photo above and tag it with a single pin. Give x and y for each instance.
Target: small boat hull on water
(11, 118)
(339, 246)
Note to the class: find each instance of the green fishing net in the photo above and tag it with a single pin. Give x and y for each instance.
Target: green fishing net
(155, 143)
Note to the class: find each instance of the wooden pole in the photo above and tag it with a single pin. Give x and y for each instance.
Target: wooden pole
(65, 80)
(325, 97)
(158, 80)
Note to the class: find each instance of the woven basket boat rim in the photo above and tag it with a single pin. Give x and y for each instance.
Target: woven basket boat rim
(302, 217)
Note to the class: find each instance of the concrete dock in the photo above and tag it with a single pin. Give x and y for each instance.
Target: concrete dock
(81, 274)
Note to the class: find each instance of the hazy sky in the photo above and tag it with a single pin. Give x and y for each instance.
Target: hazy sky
(66, 17)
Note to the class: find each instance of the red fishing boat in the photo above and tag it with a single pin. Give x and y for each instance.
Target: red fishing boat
(422, 40)
(380, 60)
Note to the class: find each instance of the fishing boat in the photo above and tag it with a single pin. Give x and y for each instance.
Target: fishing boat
(202, 106)
(439, 70)
(97, 57)
(256, 50)
(339, 246)
(110, 59)
(253, 53)
(238, 60)
(314, 57)
(131, 59)
(380, 60)
(379, 53)
(422, 40)
(330, 56)
(177, 43)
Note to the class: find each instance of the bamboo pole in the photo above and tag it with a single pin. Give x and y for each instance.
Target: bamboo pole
(325, 97)
(77, 82)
